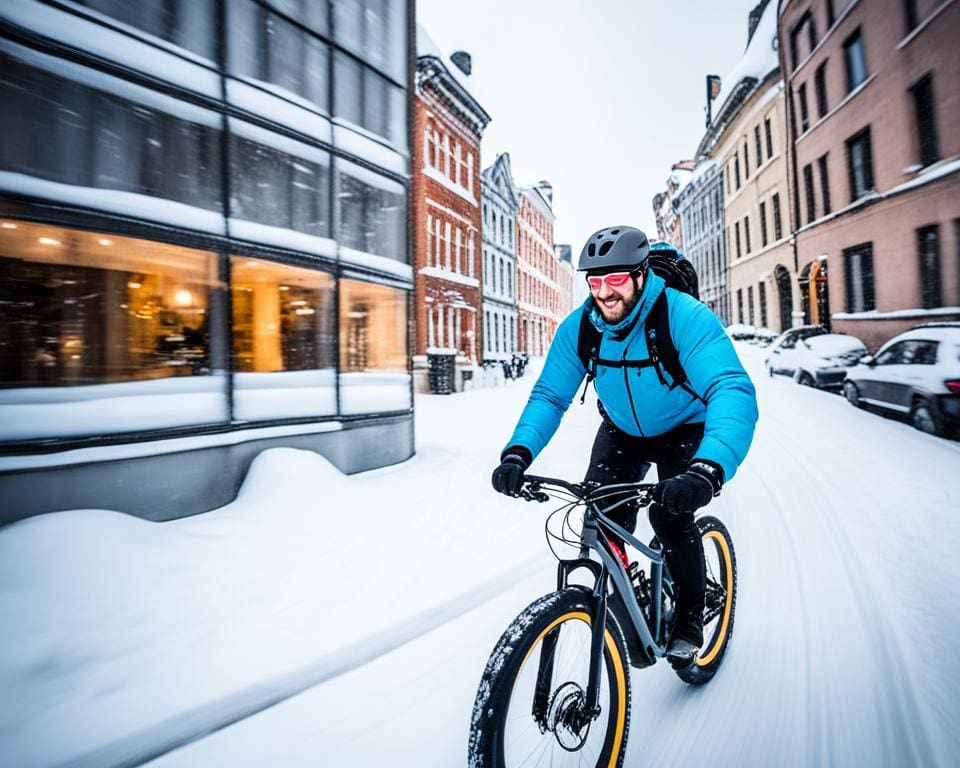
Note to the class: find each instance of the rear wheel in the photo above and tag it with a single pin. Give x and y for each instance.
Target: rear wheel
(720, 604)
(804, 379)
(922, 416)
(531, 707)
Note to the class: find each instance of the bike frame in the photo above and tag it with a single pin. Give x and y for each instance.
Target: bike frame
(648, 637)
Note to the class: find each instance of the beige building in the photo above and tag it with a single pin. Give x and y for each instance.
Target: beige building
(875, 115)
(747, 140)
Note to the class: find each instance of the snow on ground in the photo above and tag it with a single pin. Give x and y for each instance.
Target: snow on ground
(133, 635)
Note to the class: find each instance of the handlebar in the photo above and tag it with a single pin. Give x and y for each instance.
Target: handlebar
(586, 491)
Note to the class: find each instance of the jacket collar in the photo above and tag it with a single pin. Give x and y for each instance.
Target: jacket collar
(653, 286)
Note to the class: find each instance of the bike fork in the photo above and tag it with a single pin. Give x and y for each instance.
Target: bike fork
(598, 626)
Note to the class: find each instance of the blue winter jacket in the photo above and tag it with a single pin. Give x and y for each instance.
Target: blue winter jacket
(729, 406)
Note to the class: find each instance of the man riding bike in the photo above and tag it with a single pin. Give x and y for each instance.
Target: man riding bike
(696, 431)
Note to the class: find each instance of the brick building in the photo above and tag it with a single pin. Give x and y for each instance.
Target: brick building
(448, 124)
(538, 294)
(665, 211)
(875, 131)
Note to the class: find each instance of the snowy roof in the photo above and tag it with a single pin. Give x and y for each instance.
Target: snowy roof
(758, 60)
(683, 177)
(535, 193)
(459, 82)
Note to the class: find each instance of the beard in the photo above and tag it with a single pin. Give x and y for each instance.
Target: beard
(618, 311)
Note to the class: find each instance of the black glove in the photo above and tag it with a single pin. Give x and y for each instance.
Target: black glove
(689, 491)
(508, 477)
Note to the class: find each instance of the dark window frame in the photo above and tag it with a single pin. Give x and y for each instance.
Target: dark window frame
(777, 220)
(756, 136)
(859, 258)
(925, 120)
(855, 38)
(820, 84)
(768, 127)
(824, 183)
(808, 193)
(929, 263)
(804, 108)
(861, 138)
(763, 224)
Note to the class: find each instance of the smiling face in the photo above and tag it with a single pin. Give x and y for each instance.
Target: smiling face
(615, 293)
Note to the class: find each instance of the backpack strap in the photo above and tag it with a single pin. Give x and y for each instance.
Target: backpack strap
(663, 352)
(588, 348)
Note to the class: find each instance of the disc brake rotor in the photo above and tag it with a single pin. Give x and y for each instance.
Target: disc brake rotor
(566, 716)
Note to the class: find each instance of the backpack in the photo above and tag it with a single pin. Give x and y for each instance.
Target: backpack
(679, 274)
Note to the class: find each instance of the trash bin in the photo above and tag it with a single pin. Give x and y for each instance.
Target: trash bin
(441, 370)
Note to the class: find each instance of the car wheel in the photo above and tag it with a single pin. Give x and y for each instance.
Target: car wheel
(852, 393)
(923, 418)
(804, 379)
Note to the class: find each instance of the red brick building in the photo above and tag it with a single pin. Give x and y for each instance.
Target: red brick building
(447, 125)
(539, 298)
(875, 127)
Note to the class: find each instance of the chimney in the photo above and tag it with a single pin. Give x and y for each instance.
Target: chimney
(463, 61)
(713, 90)
(754, 18)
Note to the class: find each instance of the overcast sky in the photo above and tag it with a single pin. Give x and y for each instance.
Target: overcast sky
(599, 97)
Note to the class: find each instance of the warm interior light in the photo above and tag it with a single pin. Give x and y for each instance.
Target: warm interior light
(8, 225)
(183, 298)
(134, 284)
(305, 311)
(47, 241)
(105, 241)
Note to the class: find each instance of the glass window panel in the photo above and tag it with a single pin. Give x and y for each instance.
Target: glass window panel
(373, 348)
(284, 334)
(348, 24)
(64, 131)
(316, 66)
(244, 18)
(187, 24)
(310, 13)
(376, 104)
(102, 334)
(348, 88)
(285, 54)
(272, 187)
(372, 212)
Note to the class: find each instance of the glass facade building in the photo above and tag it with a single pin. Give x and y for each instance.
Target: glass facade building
(203, 232)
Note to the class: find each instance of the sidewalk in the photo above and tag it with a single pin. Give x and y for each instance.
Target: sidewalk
(123, 637)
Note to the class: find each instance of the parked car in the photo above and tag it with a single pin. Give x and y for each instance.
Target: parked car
(915, 374)
(814, 357)
(764, 337)
(741, 332)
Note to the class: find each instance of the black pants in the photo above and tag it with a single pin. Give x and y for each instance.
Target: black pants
(621, 458)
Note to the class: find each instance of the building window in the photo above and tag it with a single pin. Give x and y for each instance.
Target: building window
(736, 236)
(769, 130)
(854, 58)
(928, 250)
(762, 297)
(804, 112)
(374, 30)
(926, 122)
(278, 182)
(265, 46)
(366, 98)
(796, 34)
(756, 136)
(372, 212)
(858, 278)
(763, 224)
(104, 334)
(740, 305)
(746, 160)
(824, 184)
(189, 25)
(910, 15)
(284, 332)
(777, 226)
(750, 304)
(736, 170)
(860, 164)
(746, 231)
(820, 82)
(808, 189)
(831, 15)
(373, 348)
(95, 130)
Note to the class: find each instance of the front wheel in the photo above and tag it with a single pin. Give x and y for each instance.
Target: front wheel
(531, 706)
(720, 604)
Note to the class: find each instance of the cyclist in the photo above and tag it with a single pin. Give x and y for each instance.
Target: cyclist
(696, 434)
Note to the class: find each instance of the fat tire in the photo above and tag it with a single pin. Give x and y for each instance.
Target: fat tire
(698, 673)
(485, 749)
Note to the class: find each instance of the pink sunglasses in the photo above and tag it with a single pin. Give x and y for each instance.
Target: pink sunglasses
(613, 280)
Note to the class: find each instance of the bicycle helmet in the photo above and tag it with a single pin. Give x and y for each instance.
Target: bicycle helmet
(615, 247)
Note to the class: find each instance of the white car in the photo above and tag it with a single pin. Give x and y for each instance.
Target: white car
(813, 357)
(915, 374)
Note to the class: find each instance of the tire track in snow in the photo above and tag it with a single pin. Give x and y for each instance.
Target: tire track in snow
(903, 733)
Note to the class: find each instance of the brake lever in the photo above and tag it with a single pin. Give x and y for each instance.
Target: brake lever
(534, 494)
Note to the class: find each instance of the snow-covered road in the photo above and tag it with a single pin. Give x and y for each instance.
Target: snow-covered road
(846, 525)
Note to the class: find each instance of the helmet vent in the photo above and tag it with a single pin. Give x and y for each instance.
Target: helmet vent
(605, 247)
(591, 249)
(615, 232)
